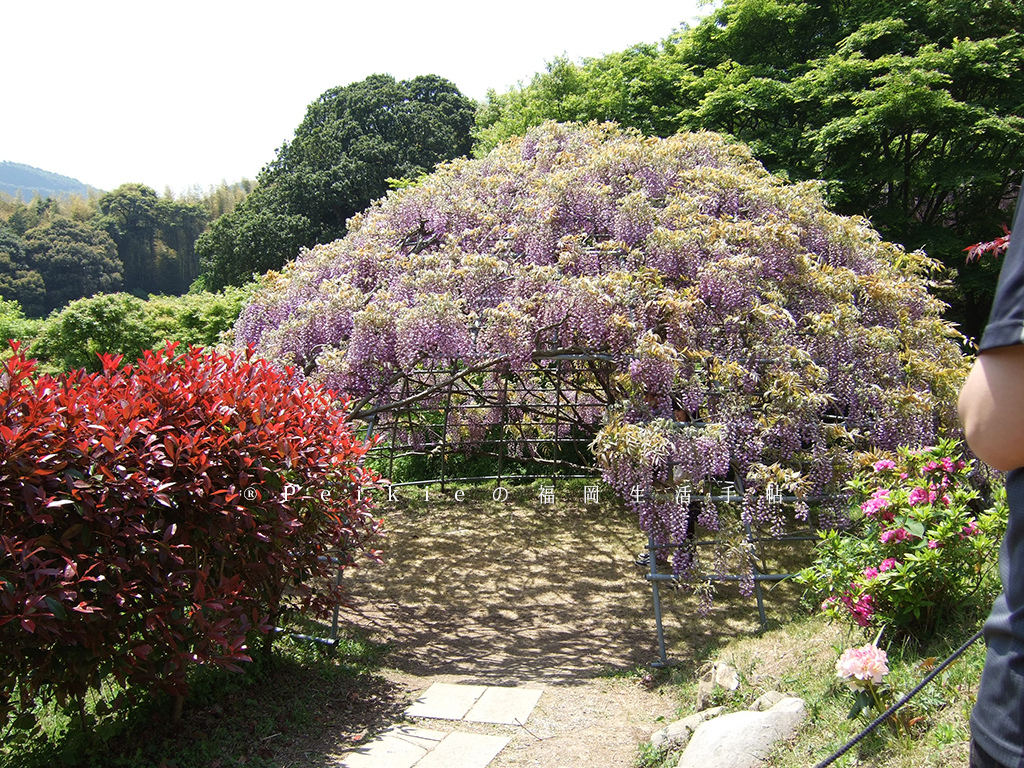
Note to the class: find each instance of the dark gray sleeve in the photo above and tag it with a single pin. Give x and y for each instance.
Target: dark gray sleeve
(1006, 322)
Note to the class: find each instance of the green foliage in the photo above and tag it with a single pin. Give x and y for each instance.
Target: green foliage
(121, 324)
(114, 323)
(155, 237)
(14, 324)
(18, 282)
(921, 550)
(196, 319)
(911, 111)
(73, 260)
(351, 142)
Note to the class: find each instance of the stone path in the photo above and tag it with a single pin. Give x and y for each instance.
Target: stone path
(406, 746)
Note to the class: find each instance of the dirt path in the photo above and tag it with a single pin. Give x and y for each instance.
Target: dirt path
(538, 596)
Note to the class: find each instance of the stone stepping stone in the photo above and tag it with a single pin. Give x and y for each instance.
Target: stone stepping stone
(464, 750)
(406, 747)
(476, 703)
(445, 701)
(399, 747)
(508, 706)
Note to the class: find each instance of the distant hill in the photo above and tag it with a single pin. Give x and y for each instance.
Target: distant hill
(18, 178)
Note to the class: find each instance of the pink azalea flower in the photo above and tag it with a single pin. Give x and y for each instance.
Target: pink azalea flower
(862, 609)
(917, 496)
(931, 466)
(870, 573)
(884, 464)
(888, 564)
(970, 529)
(858, 666)
(933, 544)
(894, 535)
(948, 465)
(879, 500)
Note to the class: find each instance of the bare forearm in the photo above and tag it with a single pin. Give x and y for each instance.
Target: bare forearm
(992, 407)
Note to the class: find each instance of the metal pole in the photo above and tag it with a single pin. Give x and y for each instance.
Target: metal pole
(662, 661)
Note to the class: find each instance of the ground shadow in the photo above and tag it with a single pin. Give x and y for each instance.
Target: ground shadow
(514, 592)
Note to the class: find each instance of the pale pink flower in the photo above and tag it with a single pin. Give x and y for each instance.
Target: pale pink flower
(859, 666)
(884, 464)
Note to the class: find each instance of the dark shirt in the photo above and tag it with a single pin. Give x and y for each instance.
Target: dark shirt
(997, 722)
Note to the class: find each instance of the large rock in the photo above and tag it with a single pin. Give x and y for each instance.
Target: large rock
(678, 733)
(742, 739)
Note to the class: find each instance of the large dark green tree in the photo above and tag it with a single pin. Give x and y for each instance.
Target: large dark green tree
(155, 237)
(352, 140)
(18, 281)
(73, 259)
(912, 111)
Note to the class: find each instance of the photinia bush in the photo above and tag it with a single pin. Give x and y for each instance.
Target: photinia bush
(754, 338)
(152, 516)
(919, 548)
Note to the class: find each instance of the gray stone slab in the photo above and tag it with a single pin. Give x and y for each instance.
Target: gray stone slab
(510, 706)
(400, 747)
(446, 701)
(464, 750)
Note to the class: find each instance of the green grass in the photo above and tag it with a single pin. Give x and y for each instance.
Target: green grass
(305, 701)
(799, 658)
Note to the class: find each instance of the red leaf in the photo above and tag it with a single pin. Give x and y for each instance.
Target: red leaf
(28, 625)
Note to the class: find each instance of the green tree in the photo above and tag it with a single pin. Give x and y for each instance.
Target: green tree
(129, 216)
(73, 259)
(352, 140)
(911, 111)
(19, 282)
(115, 323)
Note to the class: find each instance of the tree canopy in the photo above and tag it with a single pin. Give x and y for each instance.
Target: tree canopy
(73, 260)
(912, 110)
(351, 142)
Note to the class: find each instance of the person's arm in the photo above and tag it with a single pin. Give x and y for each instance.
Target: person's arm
(992, 407)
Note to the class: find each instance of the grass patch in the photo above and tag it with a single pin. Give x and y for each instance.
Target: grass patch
(297, 708)
(799, 658)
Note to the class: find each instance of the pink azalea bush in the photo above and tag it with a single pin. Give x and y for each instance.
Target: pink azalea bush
(922, 544)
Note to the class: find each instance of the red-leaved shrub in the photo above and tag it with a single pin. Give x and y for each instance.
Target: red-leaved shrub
(128, 542)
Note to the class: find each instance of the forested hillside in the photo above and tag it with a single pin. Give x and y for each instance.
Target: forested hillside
(25, 182)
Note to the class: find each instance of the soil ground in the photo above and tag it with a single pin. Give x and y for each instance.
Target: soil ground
(541, 596)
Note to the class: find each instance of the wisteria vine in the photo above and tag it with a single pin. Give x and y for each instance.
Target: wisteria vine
(757, 339)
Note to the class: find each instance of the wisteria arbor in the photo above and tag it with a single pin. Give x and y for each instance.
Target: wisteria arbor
(704, 321)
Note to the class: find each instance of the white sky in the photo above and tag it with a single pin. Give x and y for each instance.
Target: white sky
(176, 93)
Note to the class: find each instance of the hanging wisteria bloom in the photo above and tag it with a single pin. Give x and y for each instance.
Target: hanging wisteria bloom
(748, 337)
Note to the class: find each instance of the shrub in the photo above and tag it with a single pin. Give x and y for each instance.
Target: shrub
(109, 323)
(152, 517)
(919, 550)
